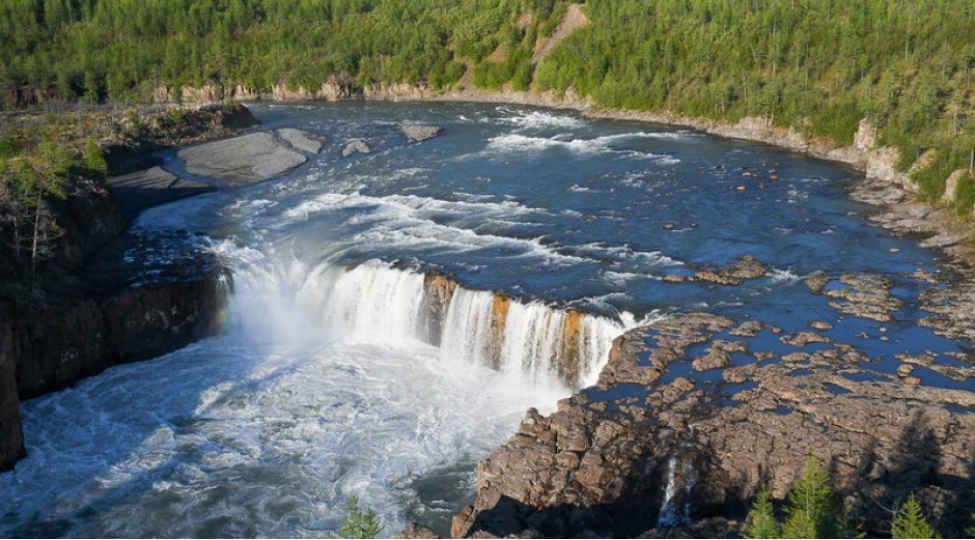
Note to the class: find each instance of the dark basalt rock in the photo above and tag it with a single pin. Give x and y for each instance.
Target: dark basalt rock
(92, 313)
(11, 430)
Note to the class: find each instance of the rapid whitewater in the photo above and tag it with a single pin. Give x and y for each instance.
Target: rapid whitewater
(395, 313)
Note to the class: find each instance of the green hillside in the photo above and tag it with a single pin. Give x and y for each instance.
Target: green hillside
(818, 65)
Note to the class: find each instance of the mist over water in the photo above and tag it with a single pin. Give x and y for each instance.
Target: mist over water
(332, 379)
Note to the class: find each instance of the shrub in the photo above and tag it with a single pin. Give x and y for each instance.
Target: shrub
(761, 521)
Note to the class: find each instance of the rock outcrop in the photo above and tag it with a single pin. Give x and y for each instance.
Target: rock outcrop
(77, 339)
(690, 417)
(248, 158)
(93, 312)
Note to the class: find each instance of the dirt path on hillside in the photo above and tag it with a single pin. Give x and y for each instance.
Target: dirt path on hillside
(574, 18)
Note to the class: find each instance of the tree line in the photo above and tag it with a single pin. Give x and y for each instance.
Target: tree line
(816, 65)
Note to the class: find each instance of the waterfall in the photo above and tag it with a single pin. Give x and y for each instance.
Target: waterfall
(376, 302)
(681, 479)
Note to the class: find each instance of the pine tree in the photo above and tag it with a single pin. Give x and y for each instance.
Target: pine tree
(761, 518)
(813, 510)
(357, 523)
(910, 522)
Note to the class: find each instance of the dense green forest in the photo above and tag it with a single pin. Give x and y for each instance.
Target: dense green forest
(818, 65)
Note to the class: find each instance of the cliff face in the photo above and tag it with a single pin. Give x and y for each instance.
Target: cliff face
(92, 315)
(11, 432)
(66, 343)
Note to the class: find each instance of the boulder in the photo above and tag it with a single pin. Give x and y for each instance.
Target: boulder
(358, 145)
(246, 159)
(301, 140)
(419, 132)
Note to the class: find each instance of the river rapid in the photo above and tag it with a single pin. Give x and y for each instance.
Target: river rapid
(325, 383)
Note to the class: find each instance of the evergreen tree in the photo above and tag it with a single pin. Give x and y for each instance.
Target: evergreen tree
(357, 523)
(910, 522)
(761, 518)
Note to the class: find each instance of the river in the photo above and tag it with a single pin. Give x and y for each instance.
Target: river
(325, 383)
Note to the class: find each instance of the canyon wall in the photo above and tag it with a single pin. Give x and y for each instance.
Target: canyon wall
(91, 314)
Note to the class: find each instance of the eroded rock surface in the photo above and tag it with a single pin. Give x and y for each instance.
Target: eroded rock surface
(246, 159)
(717, 421)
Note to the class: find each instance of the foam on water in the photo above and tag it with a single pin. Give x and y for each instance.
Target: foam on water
(344, 371)
(323, 388)
(513, 143)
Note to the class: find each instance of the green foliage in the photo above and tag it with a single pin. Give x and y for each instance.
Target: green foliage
(94, 161)
(812, 510)
(816, 66)
(761, 521)
(910, 522)
(359, 523)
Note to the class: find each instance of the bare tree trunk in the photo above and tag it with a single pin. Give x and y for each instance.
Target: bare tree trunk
(33, 248)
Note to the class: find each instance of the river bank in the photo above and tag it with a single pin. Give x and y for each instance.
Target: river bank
(102, 298)
(717, 367)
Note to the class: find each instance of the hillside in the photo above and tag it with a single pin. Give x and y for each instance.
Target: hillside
(817, 66)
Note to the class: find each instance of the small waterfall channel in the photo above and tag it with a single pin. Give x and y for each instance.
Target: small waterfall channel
(681, 479)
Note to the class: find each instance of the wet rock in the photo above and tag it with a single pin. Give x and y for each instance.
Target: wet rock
(904, 370)
(801, 339)
(419, 132)
(862, 295)
(718, 355)
(415, 530)
(952, 307)
(301, 140)
(821, 326)
(357, 145)
(742, 269)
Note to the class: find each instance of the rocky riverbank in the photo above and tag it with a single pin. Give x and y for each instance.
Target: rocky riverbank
(111, 296)
(97, 306)
(693, 413)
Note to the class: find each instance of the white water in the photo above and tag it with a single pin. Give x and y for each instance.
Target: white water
(325, 384)
(321, 389)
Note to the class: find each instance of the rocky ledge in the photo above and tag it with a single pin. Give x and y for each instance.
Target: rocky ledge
(96, 309)
(250, 158)
(693, 413)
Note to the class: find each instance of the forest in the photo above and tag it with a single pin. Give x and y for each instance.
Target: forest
(817, 65)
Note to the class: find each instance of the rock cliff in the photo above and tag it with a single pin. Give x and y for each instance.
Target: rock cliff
(92, 312)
